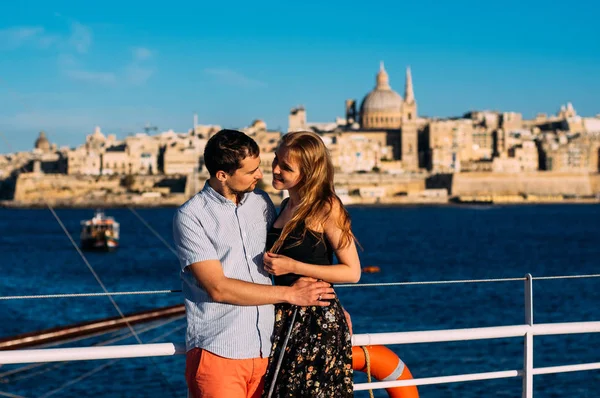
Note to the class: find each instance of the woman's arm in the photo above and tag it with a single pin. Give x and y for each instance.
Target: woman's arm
(347, 271)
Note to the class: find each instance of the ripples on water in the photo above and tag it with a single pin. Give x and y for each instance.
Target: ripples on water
(408, 243)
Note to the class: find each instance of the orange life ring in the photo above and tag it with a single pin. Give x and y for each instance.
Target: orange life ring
(385, 366)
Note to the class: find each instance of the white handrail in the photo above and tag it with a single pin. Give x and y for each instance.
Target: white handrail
(428, 336)
(485, 333)
(474, 376)
(526, 331)
(566, 368)
(438, 380)
(439, 336)
(90, 353)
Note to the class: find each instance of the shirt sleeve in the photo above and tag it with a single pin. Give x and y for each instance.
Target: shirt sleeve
(191, 240)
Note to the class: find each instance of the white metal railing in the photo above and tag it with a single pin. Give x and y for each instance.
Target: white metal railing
(527, 331)
(430, 336)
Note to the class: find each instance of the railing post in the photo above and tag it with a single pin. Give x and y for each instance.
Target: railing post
(528, 343)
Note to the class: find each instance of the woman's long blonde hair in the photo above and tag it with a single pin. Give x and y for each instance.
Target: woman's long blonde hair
(316, 190)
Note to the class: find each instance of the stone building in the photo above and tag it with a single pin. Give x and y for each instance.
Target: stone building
(46, 158)
(116, 161)
(84, 161)
(143, 153)
(297, 119)
(511, 121)
(181, 160)
(566, 119)
(568, 153)
(102, 155)
(483, 143)
(519, 158)
(266, 139)
(42, 144)
(204, 130)
(357, 152)
(448, 145)
(382, 113)
(526, 154)
(183, 154)
(383, 108)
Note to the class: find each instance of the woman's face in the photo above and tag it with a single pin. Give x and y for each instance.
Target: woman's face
(286, 171)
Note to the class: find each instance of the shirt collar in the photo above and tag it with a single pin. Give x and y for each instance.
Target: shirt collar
(210, 191)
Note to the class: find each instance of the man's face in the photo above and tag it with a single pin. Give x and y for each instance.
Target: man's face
(246, 177)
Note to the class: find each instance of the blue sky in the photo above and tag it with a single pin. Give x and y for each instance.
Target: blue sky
(66, 67)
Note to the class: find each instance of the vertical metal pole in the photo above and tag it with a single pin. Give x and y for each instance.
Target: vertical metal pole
(528, 343)
(282, 353)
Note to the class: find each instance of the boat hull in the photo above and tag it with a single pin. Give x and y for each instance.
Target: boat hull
(93, 244)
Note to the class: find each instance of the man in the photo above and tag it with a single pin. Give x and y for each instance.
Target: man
(220, 236)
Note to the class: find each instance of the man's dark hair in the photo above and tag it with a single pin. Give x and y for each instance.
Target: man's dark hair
(226, 149)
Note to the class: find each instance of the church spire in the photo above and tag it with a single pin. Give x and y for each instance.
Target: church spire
(409, 94)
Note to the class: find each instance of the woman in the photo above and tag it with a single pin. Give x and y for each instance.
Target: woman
(311, 227)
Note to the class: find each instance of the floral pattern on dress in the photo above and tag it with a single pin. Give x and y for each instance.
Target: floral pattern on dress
(318, 357)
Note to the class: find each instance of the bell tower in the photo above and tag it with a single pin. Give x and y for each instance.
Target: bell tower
(409, 137)
(409, 109)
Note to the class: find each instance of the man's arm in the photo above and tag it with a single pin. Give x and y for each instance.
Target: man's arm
(305, 292)
(197, 253)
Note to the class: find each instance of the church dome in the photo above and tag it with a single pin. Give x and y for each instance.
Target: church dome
(42, 142)
(382, 100)
(97, 135)
(382, 107)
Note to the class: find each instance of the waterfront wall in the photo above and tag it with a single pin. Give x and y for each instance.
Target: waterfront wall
(533, 183)
(37, 189)
(595, 183)
(33, 189)
(530, 183)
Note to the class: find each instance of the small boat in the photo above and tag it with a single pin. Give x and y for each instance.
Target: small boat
(99, 233)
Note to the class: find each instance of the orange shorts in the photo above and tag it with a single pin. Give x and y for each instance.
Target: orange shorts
(211, 376)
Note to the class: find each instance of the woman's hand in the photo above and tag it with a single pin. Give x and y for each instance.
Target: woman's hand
(278, 264)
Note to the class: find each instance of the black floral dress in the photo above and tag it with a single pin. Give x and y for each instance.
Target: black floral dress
(317, 360)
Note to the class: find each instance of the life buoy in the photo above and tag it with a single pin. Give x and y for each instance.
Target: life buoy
(385, 366)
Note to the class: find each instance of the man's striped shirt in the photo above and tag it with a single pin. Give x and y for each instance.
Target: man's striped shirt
(211, 227)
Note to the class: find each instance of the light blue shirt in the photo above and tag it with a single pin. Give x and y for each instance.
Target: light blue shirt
(211, 227)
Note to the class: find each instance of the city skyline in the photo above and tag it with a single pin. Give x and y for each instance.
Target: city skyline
(66, 69)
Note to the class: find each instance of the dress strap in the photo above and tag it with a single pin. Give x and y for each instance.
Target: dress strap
(284, 204)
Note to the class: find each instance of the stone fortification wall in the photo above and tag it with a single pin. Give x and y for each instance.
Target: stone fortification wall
(32, 187)
(534, 183)
(595, 183)
(392, 183)
(64, 190)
